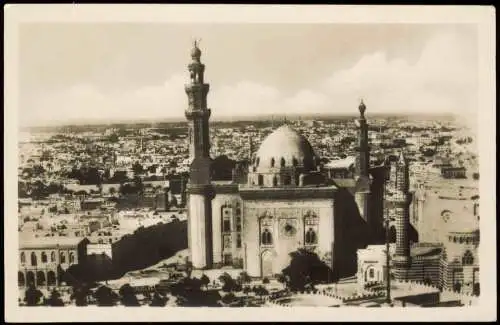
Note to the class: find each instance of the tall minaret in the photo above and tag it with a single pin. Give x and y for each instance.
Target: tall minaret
(363, 186)
(401, 200)
(250, 149)
(200, 191)
(363, 159)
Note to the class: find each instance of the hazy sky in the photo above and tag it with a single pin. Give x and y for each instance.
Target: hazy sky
(125, 71)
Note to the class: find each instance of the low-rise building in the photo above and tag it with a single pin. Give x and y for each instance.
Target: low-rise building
(42, 259)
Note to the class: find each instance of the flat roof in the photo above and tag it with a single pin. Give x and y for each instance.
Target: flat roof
(49, 242)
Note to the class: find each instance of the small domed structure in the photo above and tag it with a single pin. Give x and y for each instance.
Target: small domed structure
(195, 52)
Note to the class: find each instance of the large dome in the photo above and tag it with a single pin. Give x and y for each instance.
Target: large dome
(285, 147)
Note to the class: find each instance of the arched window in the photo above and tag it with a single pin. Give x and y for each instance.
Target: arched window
(257, 162)
(51, 278)
(282, 162)
(63, 257)
(295, 162)
(33, 259)
(372, 273)
(468, 258)
(71, 258)
(30, 278)
(21, 281)
(267, 237)
(23, 257)
(287, 180)
(310, 237)
(275, 181)
(272, 162)
(260, 180)
(40, 278)
(53, 256)
(44, 257)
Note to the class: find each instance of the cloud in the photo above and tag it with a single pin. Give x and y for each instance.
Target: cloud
(443, 79)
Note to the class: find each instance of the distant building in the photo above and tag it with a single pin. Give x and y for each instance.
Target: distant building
(440, 162)
(91, 204)
(42, 259)
(454, 172)
(372, 262)
(460, 261)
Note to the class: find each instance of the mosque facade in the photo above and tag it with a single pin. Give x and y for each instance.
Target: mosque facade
(284, 199)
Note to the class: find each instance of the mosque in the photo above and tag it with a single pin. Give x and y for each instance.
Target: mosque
(284, 199)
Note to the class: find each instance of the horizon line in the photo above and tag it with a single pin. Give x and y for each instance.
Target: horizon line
(228, 118)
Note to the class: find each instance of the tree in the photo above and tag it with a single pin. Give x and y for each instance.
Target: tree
(260, 291)
(105, 297)
(158, 300)
(245, 278)
(228, 282)
(229, 298)
(32, 296)
(282, 279)
(80, 294)
(205, 280)
(113, 138)
(112, 191)
(137, 168)
(305, 267)
(55, 299)
(127, 296)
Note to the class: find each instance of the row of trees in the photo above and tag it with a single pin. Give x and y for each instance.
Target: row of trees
(39, 190)
(103, 297)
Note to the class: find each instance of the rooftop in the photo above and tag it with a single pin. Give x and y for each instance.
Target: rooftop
(345, 163)
(46, 242)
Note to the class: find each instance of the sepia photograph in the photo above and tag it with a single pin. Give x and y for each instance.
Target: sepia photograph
(276, 157)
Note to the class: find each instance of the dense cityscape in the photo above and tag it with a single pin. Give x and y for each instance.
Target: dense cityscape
(90, 196)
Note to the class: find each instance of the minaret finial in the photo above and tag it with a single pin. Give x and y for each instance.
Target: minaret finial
(402, 158)
(196, 52)
(362, 108)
